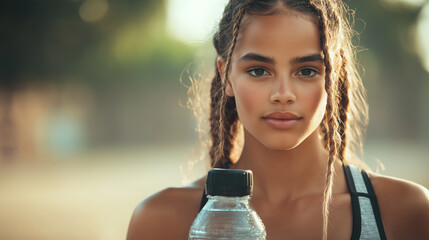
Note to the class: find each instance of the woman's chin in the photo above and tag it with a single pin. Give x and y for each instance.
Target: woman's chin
(281, 145)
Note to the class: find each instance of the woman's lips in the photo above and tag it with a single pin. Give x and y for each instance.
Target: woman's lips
(282, 120)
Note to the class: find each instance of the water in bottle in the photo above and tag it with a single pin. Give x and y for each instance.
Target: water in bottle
(227, 214)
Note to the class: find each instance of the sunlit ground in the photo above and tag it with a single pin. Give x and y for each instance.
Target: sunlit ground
(89, 198)
(92, 197)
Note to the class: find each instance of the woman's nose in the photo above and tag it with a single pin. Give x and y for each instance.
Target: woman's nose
(283, 91)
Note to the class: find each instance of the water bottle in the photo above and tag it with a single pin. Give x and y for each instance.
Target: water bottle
(227, 213)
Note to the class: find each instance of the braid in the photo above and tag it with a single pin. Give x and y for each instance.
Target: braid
(215, 95)
(222, 116)
(344, 104)
(324, 129)
(231, 123)
(330, 125)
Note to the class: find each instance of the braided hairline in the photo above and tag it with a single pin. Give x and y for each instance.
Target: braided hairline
(219, 154)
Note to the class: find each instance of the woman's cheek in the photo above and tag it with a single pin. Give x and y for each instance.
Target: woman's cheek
(247, 98)
(318, 100)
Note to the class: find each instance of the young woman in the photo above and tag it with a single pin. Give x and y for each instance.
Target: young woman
(285, 76)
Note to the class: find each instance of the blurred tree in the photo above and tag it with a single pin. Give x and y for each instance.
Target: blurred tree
(394, 75)
(119, 50)
(58, 40)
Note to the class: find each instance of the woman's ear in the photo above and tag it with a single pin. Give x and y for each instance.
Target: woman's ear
(220, 67)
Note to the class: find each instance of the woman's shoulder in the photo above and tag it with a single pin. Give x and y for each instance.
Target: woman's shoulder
(404, 207)
(167, 214)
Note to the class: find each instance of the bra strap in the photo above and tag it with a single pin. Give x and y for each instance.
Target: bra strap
(367, 222)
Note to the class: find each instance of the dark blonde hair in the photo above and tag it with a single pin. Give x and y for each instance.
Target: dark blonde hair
(346, 116)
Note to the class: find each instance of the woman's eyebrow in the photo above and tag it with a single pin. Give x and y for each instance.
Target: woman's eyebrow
(310, 58)
(256, 57)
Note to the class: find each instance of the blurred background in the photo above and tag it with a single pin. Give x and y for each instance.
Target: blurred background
(93, 114)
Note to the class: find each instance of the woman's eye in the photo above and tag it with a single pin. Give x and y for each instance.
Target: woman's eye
(307, 72)
(257, 72)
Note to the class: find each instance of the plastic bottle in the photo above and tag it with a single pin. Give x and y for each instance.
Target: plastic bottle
(227, 214)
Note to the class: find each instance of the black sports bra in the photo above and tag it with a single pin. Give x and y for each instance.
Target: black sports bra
(367, 223)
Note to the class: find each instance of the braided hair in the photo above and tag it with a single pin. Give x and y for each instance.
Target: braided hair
(343, 126)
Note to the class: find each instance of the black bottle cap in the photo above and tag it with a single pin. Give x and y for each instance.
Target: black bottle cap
(229, 182)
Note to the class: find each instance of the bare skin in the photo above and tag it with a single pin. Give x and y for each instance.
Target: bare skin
(169, 214)
(289, 165)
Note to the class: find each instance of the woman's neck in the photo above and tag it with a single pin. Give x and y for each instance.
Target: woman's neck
(281, 175)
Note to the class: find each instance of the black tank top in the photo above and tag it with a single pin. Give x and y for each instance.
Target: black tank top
(367, 223)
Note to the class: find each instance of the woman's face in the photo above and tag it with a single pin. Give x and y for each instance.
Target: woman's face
(277, 78)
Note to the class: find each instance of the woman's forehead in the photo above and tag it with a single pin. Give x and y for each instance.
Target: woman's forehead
(279, 33)
(247, 18)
